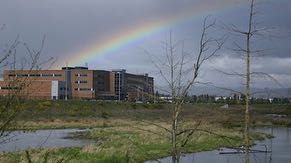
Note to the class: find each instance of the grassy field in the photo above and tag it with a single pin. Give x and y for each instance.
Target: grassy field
(129, 132)
(91, 114)
(133, 141)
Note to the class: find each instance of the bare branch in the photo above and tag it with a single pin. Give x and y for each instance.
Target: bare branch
(10, 50)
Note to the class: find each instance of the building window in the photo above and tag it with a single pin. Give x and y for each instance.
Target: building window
(85, 89)
(81, 81)
(10, 88)
(34, 75)
(23, 75)
(63, 88)
(47, 75)
(58, 75)
(81, 75)
(84, 81)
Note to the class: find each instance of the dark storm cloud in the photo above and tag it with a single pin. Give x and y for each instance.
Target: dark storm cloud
(70, 25)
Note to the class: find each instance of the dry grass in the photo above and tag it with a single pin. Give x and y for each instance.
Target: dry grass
(136, 134)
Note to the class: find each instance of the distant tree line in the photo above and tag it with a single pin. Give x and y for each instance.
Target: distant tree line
(234, 99)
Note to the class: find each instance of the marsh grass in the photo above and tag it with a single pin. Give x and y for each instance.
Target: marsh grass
(123, 131)
(88, 114)
(131, 141)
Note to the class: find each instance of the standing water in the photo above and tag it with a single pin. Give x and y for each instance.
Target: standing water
(280, 147)
(22, 140)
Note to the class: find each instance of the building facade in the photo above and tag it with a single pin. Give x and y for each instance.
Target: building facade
(133, 87)
(78, 83)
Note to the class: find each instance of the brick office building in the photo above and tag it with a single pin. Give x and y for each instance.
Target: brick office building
(78, 83)
(40, 84)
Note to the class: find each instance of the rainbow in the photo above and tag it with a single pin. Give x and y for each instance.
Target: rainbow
(127, 36)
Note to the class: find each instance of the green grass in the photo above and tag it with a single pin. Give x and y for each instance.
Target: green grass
(42, 114)
(73, 155)
(122, 136)
(130, 144)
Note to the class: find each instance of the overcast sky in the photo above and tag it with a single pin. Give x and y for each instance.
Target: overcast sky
(73, 25)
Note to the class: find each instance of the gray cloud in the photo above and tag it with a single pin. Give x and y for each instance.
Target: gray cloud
(71, 25)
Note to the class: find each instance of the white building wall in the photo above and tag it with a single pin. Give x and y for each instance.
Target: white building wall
(55, 90)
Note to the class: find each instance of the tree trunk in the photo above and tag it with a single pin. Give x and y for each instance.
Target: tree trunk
(248, 77)
(175, 151)
(247, 114)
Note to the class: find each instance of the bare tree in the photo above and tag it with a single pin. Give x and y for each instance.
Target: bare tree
(248, 52)
(180, 70)
(6, 113)
(15, 86)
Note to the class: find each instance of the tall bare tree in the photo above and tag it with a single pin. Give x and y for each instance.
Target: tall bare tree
(248, 35)
(248, 52)
(180, 70)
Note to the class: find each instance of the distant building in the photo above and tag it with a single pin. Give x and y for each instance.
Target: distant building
(133, 87)
(78, 83)
(217, 98)
(167, 99)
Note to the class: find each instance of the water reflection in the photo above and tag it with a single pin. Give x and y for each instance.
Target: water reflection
(280, 147)
(20, 140)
